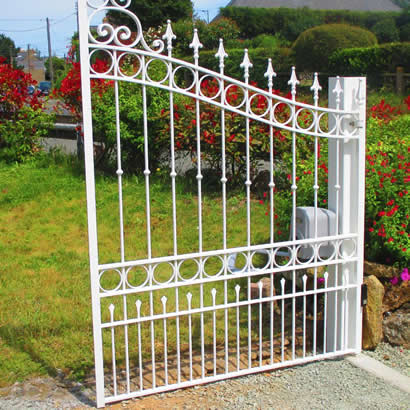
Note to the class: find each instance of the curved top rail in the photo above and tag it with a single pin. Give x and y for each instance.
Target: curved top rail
(117, 41)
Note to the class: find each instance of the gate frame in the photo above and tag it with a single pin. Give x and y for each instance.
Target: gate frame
(349, 178)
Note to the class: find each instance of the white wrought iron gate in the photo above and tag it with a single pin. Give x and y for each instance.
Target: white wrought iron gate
(195, 314)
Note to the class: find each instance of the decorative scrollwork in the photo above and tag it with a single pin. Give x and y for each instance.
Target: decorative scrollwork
(121, 36)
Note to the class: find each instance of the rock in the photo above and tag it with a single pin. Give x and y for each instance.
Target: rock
(380, 271)
(373, 313)
(396, 327)
(396, 296)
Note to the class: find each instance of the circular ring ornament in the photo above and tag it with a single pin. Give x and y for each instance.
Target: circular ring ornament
(147, 68)
(180, 267)
(137, 270)
(279, 108)
(284, 249)
(310, 113)
(241, 102)
(347, 248)
(169, 274)
(259, 252)
(232, 268)
(328, 251)
(133, 57)
(111, 66)
(212, 78)
(113, 273)
(306, 248)
(210, 260)
(252, 108)
(174, 83)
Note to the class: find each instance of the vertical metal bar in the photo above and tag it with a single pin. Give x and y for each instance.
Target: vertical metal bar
(304, 315)
(147, 172)
(138, 306)
(91, 205)
(164, 304)
(238, 352)
(113, 354)
(151, 311)
(121, 215)
(221, 54)
(214, 327)
(260, 285)
(189, 297)
(272, 312)
(282, 283)
(326, 276)
(293, 82)
(178, 336)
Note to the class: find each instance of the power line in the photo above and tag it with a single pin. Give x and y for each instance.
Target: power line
(23, 31)
(63, 19)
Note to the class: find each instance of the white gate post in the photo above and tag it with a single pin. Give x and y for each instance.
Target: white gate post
(346, 198)
(91, 205)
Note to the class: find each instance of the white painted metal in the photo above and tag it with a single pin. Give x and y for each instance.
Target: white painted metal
(132, 357)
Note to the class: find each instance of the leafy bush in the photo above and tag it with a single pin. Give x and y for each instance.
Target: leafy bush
(386, 31)
(268, 42)
(281, 60)
(405, 32)
(22, 121)
(310, 45)
(209, 34)
(359, 61)
(131, 113)
(387, 178)
(290, 23)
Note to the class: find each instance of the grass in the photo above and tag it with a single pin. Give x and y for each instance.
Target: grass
(45, 304)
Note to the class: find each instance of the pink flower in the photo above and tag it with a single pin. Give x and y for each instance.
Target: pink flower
(394, 281)
(405, 276)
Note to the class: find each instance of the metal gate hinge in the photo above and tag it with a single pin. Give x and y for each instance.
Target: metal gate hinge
(363, 301)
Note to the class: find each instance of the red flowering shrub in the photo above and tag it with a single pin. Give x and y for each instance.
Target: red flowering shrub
(104, 114)
(387, 182)
(185, 128)
(22, 121)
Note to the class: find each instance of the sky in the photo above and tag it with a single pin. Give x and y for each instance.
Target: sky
(24, 21)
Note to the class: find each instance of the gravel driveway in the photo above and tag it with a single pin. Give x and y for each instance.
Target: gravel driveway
(330, 384)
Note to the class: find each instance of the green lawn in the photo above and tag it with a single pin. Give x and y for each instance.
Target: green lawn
(45, 305)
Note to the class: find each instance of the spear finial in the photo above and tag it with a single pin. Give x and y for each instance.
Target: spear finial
(196, 45)
(169, 36)
(246, 64)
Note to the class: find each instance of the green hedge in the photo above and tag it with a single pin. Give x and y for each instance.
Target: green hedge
(291, 22)
(369, 60)
(314, 46)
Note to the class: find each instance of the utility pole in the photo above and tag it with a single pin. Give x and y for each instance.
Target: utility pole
(50, 56)
(11, 56)
(28, 58)
(207, 15)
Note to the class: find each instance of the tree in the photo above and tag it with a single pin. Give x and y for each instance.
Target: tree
(404, 4)
(7, 48)
(59, 65)
(153, 13)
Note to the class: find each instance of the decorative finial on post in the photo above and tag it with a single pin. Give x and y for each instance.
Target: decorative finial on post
(221, 54)
(360, 99)
(270, 73)
(293, 82)
(316, 87)
(196, 45)
(338, 90)
(169, 36)
(246, 65)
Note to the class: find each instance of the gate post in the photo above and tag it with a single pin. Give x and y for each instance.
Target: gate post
(347, 198)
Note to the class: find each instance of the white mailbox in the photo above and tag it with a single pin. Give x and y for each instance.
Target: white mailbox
(305, 229)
